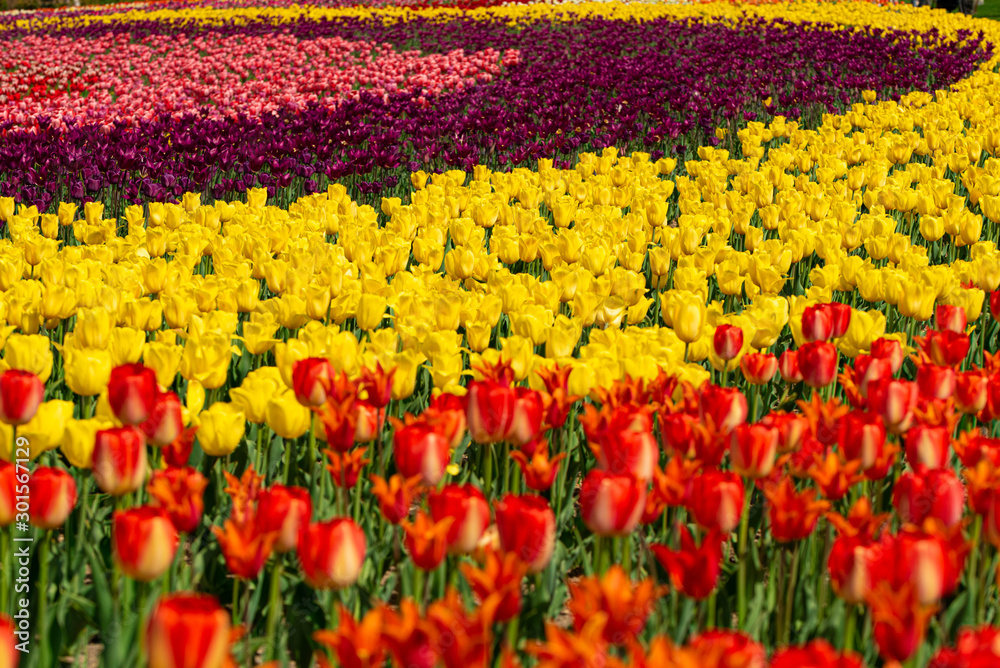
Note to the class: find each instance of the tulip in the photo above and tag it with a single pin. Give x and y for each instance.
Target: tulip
(818, 363)
(936, 382)
(332, 553)
(395, 496)
(20, 396)
(752, 450)
(419, 449)
(840, 317)
(687, 314)
(8, 492)
(119, 460)
(899, 620)
(715, 500)
(889, 349)
(87, 370)
(815, 654)
(286, 416)
(177, 454)
(817, 323)
(287, 511)
(788, 365)
(526, 422)
(345, 467)
(936, 493)
(132, 392)
(793, 516)
(625, 604)
(52, 494)
(737, 648)
(427, 540)
(694, 570)
(867, 369)
(165, 422)
(221, 429)
(9, 654)
(894, 401)
(728, 341)
(371, 310)
(759, 368)
(995, 305)
(180, 492)
(311, 379)
(611, 505)
(726, 407)
(950, 318)
(187, 631)
(849, 565)
(539, 469)
(367, 423)
(946, 348)
(622, 440)
(469, 511)
(927, 447)
(861, 436)
(970, 391)
(500, 576)
(490, 407)
(527, 527)
(144, 542)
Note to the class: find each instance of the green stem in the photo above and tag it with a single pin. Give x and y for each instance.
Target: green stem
(487, 470)
(43, 600)
(849, 627)
(790, 595)
(973, 577)
(236, 601)
(312, 460)
(273, 610)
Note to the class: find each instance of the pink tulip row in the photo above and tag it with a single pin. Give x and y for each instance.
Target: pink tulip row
(112, 78)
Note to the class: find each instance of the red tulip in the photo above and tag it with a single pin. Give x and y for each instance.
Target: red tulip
(332, 553)
(995, 305)
(899, 620)
(420, 449)
(470, 515)
(791, 427)
(610, 504)
(287, 511)
(622, 440)
(395, 496)
(177, 454)
(52, 494)
(426, 540)
(539, 469)
(759, 368)
(529, 409)
(490, 411)
(818, 363)
(927, 447)
(165, 422)
(119, 460)
(377, 384)
(726, 648)
(187, 631)
(861, 436)
(816, 654)
(788, 366)
(894, 401)
(725, 406)
(144, 542)
(935, 493)
(868, 368)
(132, 392)
(10, 656)
(889, 349)
(367, 423)
(817, 323)
(20, 396)
(950, 318)
(946, 348)
(935, 382)
(970, 391)
(693, 570)
(180, 492)
(311, 380)
(728, 341)
(715, 500)
(849, 565)
(793, 515)
(8, 492)
(752, 450)
(527, 527)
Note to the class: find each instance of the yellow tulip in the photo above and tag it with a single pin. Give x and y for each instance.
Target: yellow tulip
(864, 327)
(207, 360)
(686, 312)
(406, 364)
(371, 310)
(86, 370)
(221, 428)
(45, 430)
(164, 359)
(257, 389)
(286, 416)
(126, 345)
(78, 440)
(29, 352)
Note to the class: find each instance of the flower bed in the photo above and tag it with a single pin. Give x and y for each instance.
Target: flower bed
(683, 355)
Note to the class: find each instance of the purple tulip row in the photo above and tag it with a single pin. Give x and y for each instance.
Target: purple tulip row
(659, 86)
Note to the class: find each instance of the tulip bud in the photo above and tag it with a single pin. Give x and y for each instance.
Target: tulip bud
(469, 511)
(728, 341)
(840, 317)
(950, 318)
(132, 392)
(52, 494)
(287, 511)
(817, 323)
(119, 460)
(527, 527)
(8, 492)
(935, 493)
(526, 422)
(927, 447)
(332, 553)
(970, 391)
(186, 630)
(752, 450)
(868, 368)
(311, 380)
(935, 382)
(144, 542)
(165, 422)
(725, 406)
(420, 449)
(610, 504)
(788, 366)
(818, 363)
(715, 500)
(490, 411)
(849, 566)
(894, 401)
(20, 396)
(759, 368)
